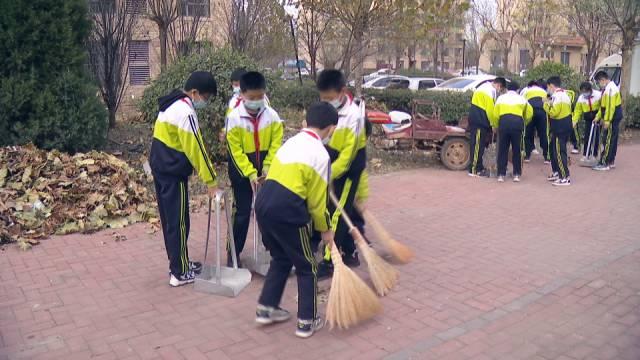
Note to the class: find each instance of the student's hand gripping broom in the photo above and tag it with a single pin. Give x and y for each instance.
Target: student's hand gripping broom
(383, 275)
(351, 300)
(401, 252)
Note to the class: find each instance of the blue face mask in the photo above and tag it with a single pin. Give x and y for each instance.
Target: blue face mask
(199, 104)
(236, 90)
(254, 105)
(336, 103)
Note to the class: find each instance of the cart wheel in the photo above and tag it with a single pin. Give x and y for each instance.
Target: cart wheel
(454, 153)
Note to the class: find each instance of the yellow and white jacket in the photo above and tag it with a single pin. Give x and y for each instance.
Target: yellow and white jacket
(177, 146)
(252, 141)
(295, 191)
(482, 103)
(559, 111)
(587, 106)
(511, 112)
(347, 147)
(610, 104)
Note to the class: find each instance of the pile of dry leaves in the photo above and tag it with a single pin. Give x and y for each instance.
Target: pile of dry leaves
(49, 192)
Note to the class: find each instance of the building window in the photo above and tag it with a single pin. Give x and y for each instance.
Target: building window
(192, 47)
(195, 8)
(424, 65)
(445, 52)
(445, 66)
(549, 54)
(136, 6)
(524, 59)
(400, 64)
(496, 59)
(139, 71)
(564, 57)
(458, 52)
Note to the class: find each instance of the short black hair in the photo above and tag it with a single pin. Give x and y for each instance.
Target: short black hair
(202, 81)
(586, 86)
(555, 81)
(331, 79)
(500, 81)
(513, 86)
(321, 115)
(601, 75)
(542, 83)
(236, 75)
(252, 80)
(532, 83)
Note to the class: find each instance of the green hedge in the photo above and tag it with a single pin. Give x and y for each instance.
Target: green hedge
(632, 111)
(570, 78)
(221, 62)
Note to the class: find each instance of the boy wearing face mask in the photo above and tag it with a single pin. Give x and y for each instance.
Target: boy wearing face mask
(235, 100)
(292, 203)
(347, 150)
(254, 133)
(610, 114)
(586, 108)
(177, 148)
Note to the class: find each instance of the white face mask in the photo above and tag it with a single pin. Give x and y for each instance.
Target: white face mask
(326, 140)
(254, 105)
(236, 90)
(336, 103)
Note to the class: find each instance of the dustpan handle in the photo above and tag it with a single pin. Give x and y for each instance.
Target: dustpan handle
(232, 241)
(218, 197)
(206, 246)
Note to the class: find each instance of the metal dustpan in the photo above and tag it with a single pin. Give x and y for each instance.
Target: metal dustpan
(591, 160)
(214, 278)
(260, 259)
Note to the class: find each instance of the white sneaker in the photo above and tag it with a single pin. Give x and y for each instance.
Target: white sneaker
(527, 160)
(266, 315)
(183, 279)
(575, 151)
(306, 328)
(553, 177)
(547, 162)
(500, 179)
(601, 168)
(516, 178)
(562, 182)
(583, 159)
(535, 151)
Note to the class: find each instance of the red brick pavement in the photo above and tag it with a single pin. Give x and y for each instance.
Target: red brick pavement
(503, 271)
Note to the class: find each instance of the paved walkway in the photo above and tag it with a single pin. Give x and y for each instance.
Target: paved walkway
(503, 271)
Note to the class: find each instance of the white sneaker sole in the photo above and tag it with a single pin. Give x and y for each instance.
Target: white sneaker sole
(176, 283)
(306, 335)
(269, 321)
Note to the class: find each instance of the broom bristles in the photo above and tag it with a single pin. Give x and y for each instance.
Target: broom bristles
(383, 276)
(350, 301)
(398, 250)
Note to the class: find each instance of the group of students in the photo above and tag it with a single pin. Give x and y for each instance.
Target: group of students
(545, 108)
(291, 182)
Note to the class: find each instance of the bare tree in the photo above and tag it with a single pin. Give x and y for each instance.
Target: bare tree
(313, 25)
(360, 17)
(586, 17)
(108, 45)
(498, 20)
(625, 15)
(163, 13)
(242, 17)
(536, 22)
(476, 38)
(183, 32)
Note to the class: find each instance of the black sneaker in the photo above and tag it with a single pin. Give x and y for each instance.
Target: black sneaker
(325, 270)
(553, 177)
(351, 260)
(484, 173)
(182, 279)
(195, 266)
(306, 328)
(266, 315)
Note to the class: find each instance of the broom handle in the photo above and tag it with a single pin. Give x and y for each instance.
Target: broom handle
(343, 214)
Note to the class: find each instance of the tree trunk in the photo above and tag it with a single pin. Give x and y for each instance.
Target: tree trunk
(358, 39)
(625, 79)
(163, 46)
(435, 57)
(112, 118)
(505, 59)
(313, 59)
(411, 51)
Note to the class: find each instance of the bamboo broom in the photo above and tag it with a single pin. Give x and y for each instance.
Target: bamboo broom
(350, 299)
(383, 275)
(399, 251)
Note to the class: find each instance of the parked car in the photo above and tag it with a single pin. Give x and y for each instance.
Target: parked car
(415, 83)
(464, 83)
(376, 74)
(383, 82)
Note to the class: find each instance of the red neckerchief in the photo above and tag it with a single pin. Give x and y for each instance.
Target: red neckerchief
(312, 134)
(255, 121)
(188, 102)
(590, 107)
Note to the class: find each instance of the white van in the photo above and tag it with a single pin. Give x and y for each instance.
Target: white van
(613, 66)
